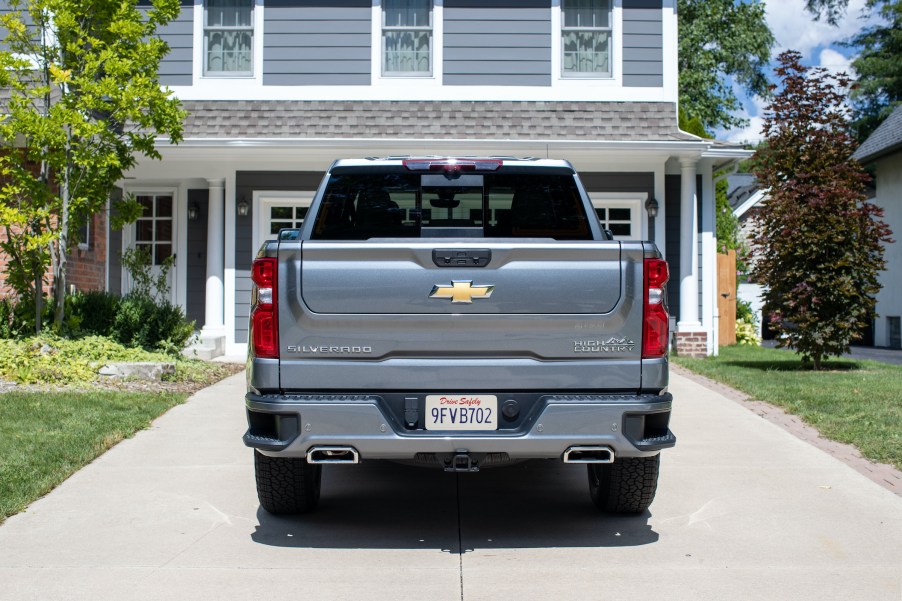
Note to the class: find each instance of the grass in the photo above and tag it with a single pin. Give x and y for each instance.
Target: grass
(855, 402)
(47, 436)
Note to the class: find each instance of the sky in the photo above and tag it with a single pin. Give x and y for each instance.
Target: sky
(794, 28)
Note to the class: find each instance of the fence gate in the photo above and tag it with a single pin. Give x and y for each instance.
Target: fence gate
(726, 297)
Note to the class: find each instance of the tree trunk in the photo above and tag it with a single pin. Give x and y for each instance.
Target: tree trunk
(59, 313)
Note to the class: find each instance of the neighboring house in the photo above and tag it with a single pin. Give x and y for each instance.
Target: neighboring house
(745, 197)
(883, 151)
(278, 89)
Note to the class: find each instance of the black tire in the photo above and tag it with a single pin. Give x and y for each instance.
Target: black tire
(287, 485)
(626, 486)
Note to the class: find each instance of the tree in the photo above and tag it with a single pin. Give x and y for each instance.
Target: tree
(830, 10)
(879, 68)
(721, 42)
(84, 102)
(818, 241)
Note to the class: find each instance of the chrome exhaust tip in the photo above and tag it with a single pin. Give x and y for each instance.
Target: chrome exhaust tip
(333, 455)
(589, 455)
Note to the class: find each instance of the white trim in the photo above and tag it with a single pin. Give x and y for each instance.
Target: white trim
(709, 258)
(263, 198)
(670, 39)
(615, 79)
(222, 85)
(625, 200)
(177, 294)
(661, 220)
(750, 202)
(229, 266)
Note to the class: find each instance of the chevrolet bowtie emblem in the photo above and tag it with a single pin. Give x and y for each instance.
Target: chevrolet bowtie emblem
(461, 292)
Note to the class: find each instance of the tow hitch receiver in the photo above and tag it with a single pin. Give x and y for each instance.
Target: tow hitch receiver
(461, 462)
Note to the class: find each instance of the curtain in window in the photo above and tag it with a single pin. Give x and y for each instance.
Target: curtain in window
(229, 33)
(586, 36)
(407, 37)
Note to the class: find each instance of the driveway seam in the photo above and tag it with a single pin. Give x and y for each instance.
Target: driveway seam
(883, 474)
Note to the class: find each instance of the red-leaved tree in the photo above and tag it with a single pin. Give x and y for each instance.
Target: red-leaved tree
(818, 242)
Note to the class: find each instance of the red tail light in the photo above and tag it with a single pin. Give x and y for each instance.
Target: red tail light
(656, 321)
(264, 309)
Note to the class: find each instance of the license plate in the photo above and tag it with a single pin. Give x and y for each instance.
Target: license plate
(461, 412)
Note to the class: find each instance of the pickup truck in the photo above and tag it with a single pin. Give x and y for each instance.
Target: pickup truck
(460, 313)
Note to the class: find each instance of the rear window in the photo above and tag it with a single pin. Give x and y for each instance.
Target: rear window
(361, 206)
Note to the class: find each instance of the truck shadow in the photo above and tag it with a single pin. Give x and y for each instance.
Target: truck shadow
(382, 505)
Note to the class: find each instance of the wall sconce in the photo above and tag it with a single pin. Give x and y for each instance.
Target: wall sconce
(193, 211)
(651, 205)
(243, 208)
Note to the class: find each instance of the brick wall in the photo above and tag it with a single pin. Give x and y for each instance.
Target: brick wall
(87, 268)
(692, 344)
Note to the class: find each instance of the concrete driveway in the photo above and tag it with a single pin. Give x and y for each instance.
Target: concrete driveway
(744, 511)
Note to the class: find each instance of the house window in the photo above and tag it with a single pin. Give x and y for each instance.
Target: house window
(84, 234)
(228, 37)
(620, 212)
(407, 37)
(285, 216)
(586, 38)
(153, 229)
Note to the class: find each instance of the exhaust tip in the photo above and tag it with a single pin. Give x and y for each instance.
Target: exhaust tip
(589, 455)
(333, 455)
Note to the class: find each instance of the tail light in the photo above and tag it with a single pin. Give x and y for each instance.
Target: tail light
(656, 321)
(264, 309)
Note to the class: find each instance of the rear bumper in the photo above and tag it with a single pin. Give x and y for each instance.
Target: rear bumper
(290, 425)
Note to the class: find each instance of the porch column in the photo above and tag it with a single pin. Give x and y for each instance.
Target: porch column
(691, 340)
(214, 324)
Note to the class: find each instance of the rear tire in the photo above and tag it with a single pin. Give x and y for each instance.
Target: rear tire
(287, 485)
(626, 486)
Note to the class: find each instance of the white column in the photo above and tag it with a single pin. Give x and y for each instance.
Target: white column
(688, 248)
(214, 324)
(709, 256)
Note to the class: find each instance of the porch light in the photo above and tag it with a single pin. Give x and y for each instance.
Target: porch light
(651, 205)
(193, 211)
(243, 208)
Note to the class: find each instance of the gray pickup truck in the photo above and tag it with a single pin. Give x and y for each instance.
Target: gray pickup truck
(462, 314)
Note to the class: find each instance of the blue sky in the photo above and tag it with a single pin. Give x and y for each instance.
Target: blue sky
(795, 29)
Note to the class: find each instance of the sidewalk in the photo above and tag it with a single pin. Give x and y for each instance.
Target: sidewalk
(744, 511)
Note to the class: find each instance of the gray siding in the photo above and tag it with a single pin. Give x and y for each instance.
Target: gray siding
(643, 47)
(310, 42)
(176, 67)
(497, 42)
(196, 290)
(245, 184)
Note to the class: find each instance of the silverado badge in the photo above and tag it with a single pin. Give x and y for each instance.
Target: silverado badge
(460, 291)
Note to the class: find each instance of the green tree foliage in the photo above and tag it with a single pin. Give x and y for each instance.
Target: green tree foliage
(819, 243)
(84, 102)
(727, 225)
(830, 10)
(721, 42)
(879, 68)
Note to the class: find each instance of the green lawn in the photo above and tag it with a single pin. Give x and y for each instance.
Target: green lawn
(856, 402)
(47, 436)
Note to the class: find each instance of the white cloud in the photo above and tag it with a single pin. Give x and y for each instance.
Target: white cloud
(834, 62)
(751, 133)
(794, 28)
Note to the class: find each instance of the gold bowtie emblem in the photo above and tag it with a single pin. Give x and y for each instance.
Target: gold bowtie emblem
(461, 292)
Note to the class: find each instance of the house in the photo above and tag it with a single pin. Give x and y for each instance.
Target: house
(883, 151)
(745, 197)
(278, 89)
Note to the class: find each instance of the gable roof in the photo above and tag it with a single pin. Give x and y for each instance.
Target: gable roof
(508, 120)
(887, 138)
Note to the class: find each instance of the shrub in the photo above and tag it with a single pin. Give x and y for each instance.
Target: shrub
(92, 312)
(151, 324)
(747, 333)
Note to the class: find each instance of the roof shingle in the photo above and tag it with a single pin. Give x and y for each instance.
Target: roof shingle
(508, 120)
(885, 139)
